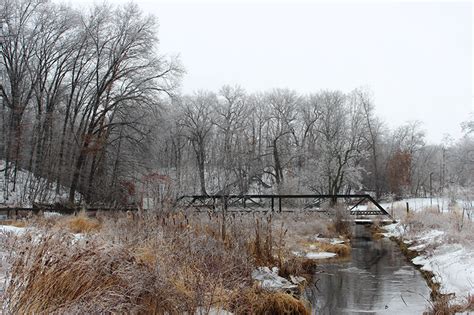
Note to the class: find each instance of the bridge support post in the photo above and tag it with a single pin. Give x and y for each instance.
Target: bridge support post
(279, 204)
(273, 204)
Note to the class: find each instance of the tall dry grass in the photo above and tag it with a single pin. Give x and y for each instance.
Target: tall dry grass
(151, 263)
(443, 305)
(457, 229)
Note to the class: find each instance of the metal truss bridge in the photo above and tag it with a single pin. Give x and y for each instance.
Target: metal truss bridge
(249, 203)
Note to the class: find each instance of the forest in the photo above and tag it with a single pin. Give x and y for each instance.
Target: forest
(89, 105)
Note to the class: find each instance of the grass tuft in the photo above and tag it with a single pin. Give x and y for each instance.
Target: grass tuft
(80, 224)
(259, 302)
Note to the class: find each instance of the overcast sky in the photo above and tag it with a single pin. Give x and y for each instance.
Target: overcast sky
(415, 57)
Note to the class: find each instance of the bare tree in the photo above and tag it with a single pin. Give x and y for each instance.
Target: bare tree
(197, 125)
(18, 48)
(124, 70)
(372, 138)
(280, 130)
(231, 114)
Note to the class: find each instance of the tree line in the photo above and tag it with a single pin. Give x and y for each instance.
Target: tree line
(88, 103)
(279, 141)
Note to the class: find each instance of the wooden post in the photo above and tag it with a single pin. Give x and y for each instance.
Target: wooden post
(279, 204)
(408, 209)
(273, 205)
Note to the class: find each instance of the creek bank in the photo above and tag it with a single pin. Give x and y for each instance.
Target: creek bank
(446, 265)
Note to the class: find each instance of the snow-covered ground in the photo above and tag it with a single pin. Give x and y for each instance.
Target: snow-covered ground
(29, 189)
(451, 263)
(320, 255)
(443, 204)
(11, 229)
(416, 204)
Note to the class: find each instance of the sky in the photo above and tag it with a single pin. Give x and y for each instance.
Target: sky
(415, 57)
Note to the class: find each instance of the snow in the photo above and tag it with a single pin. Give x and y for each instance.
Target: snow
(453, 267)
(320, 255)
(270, 280)
(418, 204)
(451, 264)
(211, 311)
(332, 241)
(394, 229)
(29, 189)
(11, 229)
(443, 204)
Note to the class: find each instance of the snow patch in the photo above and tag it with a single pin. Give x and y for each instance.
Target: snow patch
(12, 229)
(211, 311)
(269, 279)
(29, 189)
(320, 255)
(332, 241)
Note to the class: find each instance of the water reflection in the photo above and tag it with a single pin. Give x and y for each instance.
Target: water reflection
(377, 280)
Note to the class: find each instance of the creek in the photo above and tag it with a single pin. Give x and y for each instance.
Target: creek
(376, 279)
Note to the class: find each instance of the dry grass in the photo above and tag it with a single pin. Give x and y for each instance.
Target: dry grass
(457, 229)
(150, 263)
(376, 230)
(19, 223)
(342, 250)
(469, 306)
(80, 223)
(259, 302)
(16, 223)
(48, 278)
(444, 306)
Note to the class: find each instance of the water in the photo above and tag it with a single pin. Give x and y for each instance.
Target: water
(376, 280)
